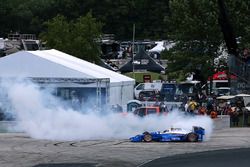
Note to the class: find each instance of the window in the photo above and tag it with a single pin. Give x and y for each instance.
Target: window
(151, 111)
(140, 87)
(141, 112)
(221, 84)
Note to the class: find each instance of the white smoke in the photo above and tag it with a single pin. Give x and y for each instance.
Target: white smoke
(42, 116)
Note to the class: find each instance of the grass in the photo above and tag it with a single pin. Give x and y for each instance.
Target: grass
(138, 76)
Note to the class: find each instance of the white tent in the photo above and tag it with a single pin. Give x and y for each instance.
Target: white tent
(225, 97)
(246, 98)
(162, 45)
(55, 64)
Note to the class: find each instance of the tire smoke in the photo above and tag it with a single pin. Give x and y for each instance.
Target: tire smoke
(43, 116)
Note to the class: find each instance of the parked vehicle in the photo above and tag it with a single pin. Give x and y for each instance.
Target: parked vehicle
(221, 91)
(168, 91)
(146, 86)
(149, 95)
(143, 111)
(187, 89)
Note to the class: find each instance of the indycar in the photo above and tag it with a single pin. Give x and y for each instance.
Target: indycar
(172, 134)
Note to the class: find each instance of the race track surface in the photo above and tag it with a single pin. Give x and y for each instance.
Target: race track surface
(220, 158)
(19, 150)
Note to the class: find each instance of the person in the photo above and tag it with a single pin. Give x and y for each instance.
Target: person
(210, 102)
(186, 107)
(213, 114)
(75, 102)
(245, 117)
(234, 115)
(119, 108)
(192, 106)
(202, 110)
(156, 104)
(162, 106)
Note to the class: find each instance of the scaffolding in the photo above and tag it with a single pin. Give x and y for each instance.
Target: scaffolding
(81, 82)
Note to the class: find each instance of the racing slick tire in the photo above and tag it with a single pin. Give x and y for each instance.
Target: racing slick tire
(192, 137)
(147, 137)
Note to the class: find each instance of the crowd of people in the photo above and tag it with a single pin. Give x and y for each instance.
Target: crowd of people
(210, 105)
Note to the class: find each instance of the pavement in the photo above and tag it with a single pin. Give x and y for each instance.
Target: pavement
(219, 158)
(19, 150)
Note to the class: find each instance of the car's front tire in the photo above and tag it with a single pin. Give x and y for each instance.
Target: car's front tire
(147, 137)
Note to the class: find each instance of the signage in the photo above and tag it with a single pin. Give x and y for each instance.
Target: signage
(146, 78)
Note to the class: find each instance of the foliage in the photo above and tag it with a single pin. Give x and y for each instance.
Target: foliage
(74, 37)
(119, 16)
(197, 35)
(192, 24)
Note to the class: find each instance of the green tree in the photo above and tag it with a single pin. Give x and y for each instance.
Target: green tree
(195, 29)
(196, 32)
(77, 37)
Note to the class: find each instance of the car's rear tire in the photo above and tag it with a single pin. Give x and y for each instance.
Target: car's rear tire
(192, 137)
(147, 137)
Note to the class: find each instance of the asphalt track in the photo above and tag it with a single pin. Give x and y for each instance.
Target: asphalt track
(227, 147)
(220, 158)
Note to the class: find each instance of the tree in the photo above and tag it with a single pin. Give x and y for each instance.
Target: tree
(196, 32)
(77, 37)
(194, 28)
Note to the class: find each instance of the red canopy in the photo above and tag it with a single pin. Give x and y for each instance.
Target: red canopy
(221, 75)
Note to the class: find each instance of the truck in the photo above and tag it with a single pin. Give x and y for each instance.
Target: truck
(156, 86)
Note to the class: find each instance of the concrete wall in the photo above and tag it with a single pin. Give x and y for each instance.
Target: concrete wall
(222, 121)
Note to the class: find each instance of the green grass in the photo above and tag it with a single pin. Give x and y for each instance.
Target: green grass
(138, 76)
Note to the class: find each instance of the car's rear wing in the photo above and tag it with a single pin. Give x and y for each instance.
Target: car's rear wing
(199, 131)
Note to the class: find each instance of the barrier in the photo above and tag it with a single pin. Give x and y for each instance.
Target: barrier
(222, 122)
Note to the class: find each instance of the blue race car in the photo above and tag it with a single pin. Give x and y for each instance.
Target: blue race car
(172, 134)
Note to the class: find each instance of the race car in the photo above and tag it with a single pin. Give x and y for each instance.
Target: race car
(172, 134)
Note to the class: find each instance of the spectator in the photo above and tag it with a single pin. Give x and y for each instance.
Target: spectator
(162, 106)
(234, 115)
(157, 104)
(245, 117)
(192, 106)
(75, 102)
(202, 110)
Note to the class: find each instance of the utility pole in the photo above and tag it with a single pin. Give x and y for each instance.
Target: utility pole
(133, 50)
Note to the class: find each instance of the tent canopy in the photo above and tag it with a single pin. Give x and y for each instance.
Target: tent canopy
(225, 97)
(242, 95)
(55, 64)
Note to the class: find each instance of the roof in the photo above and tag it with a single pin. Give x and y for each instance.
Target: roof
(142, 61)
(242, 95)
(54, 64)
(225, 97)
(221, 75)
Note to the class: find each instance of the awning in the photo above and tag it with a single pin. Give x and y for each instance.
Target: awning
(221, 75)
(243, 95)
(225, 97)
